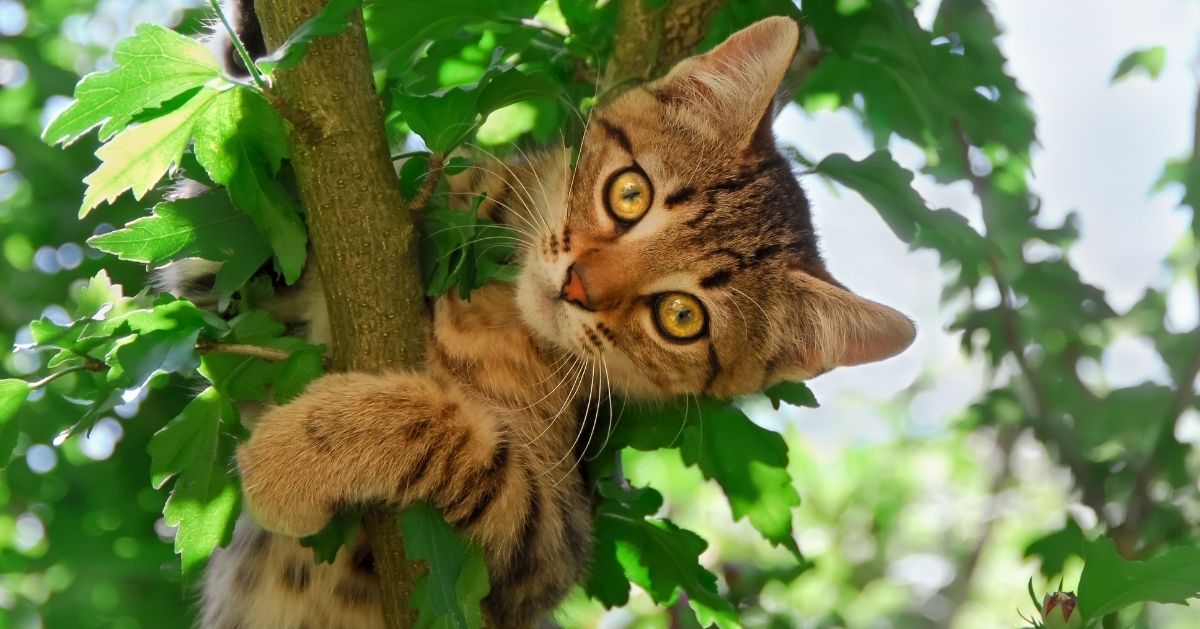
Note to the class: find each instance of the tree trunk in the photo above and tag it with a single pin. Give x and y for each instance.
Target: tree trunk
(361, 229)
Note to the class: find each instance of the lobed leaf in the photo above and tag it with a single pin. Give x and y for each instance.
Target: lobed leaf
(750, 464)
(207, 226)
(450, 593)
(888, 187)
(204, 500)
(301, 368)
(657, 555)
(342, 530)
(153, 66)
(1110, 582)
(139, 156)
(464, 250)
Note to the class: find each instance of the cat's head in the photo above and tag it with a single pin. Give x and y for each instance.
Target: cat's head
(684, 255)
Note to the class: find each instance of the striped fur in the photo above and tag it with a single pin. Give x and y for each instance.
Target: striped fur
(492, 427)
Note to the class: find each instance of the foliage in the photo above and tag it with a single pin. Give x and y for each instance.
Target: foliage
(508, 74)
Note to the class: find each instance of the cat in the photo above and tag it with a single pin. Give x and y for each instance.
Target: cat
(676, 257)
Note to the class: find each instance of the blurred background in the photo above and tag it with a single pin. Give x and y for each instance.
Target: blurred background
(921, 496)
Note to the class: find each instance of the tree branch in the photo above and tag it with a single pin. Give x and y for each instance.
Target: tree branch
(684, 25)
(648, 43)
(1044, 421)
(1127, 534)
(254, 351)
(362, 230)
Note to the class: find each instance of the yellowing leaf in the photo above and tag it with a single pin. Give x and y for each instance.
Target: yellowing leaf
(153, 66)
(139, 156)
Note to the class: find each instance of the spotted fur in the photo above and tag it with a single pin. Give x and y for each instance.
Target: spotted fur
(492, 428)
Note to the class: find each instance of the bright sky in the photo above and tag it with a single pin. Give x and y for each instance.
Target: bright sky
(1102, 147)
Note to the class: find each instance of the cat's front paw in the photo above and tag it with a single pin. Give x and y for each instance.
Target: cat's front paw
(286, 479)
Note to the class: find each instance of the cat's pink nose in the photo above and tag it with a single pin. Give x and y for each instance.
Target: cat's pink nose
(573, 290)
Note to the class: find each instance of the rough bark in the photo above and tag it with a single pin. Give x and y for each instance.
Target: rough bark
(649, 42)
(361, 229)
(684, 25)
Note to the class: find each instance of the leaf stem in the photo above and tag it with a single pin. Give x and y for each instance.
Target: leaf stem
(408, 154)
(89, 365)
(209, 347)
(239, 47)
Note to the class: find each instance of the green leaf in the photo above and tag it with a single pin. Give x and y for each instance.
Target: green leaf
(205, 499)
(12, 395)
(153, 66)
(655, 554)
(1110, 582)
(139, 156)
(1055, 548)
(443, 119)
(750, 464)
(236, 271)
(447, 118)
(330, 20)
(240, 144)
(341, 531)
(464, 250)
(207, 226)
(401, 29)
(794, 393)
(513, 86)
(450, 593)
(134, 363)
(301, 368)
(1151, 60)
(888, 187)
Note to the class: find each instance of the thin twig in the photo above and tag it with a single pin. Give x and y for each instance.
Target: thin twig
(1091, 489)
(89, 365)
(251, 67)
(254, 351)
(206, 347)
(1140, 501)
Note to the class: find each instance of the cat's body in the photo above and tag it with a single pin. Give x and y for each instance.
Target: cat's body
(490, 430)
(676, 257)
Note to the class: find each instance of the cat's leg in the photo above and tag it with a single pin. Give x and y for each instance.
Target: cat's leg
(357, 438)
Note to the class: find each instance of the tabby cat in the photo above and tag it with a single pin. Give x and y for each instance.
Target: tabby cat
(677, 257)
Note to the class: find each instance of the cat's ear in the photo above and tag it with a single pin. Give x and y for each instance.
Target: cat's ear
(736, 81)
(833, 327)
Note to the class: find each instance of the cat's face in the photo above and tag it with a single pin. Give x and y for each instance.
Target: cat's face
(680, 253)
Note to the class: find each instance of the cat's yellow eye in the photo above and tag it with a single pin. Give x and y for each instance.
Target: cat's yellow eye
(679, 316)
(629, 195)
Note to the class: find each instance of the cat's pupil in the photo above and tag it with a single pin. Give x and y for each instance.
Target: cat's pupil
(683, 316)
(630, 193)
